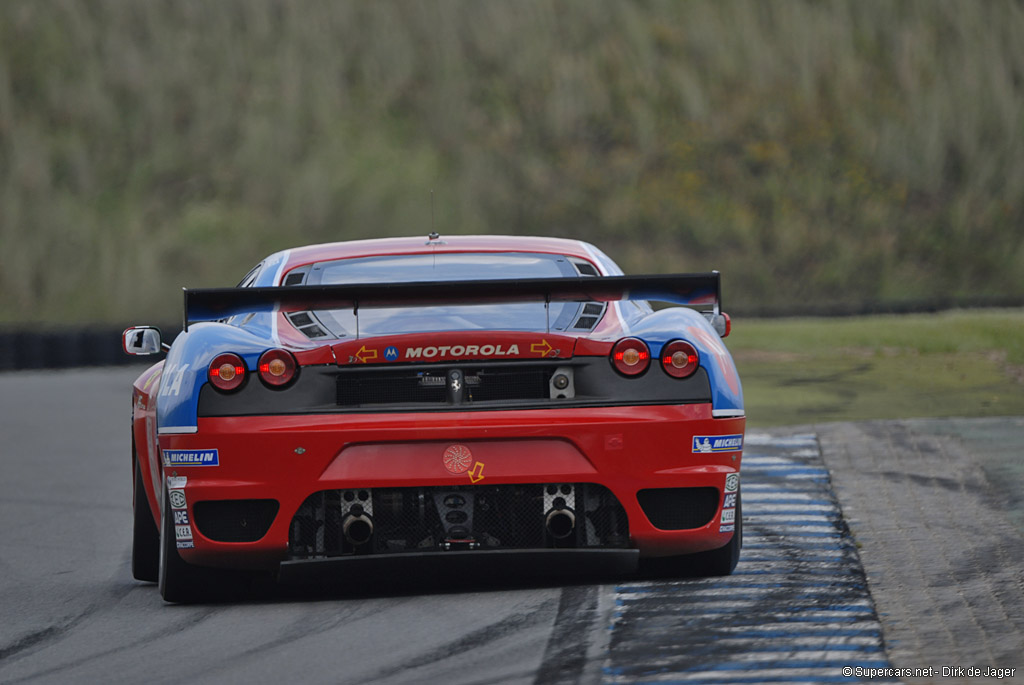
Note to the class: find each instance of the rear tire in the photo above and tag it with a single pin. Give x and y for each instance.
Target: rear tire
(145, 536)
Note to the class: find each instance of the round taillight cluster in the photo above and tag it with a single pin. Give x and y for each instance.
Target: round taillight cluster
(680, 359)
(227, 372)
(631, 357)
(277, 368)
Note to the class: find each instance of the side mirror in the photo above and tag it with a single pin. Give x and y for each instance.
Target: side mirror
(722, 323)
(142, 341)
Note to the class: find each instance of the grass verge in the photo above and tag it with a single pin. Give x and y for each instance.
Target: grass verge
(958, 363)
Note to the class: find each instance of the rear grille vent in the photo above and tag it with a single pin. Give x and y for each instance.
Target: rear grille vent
(238, 520)
(433, 387)
(356, 390)
(424, 519)
(679, 508)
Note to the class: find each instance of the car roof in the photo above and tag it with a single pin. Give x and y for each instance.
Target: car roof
(310, 254)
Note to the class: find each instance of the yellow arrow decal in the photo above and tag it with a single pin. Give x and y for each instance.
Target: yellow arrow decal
(477, 473)
(543, 348)
(364, 355)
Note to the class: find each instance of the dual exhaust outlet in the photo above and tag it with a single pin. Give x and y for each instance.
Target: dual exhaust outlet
(358, 528)
(560, 520)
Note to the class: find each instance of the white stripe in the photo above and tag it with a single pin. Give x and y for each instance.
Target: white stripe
(813, 675)
(765, 439)
(727, 413)
(177, 430)
(277, 282)
(807, 508)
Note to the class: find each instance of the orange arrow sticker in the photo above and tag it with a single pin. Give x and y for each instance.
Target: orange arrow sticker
(543, 348)
(364, 355)
(477, 473)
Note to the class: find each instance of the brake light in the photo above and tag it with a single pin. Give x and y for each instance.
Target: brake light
(277, 367)
(631, 357)
(227, 371)
(680, 359)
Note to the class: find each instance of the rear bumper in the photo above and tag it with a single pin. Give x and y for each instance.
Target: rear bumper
(427, 567)
(288, 458)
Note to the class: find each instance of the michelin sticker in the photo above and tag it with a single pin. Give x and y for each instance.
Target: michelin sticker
(709, 444)
(191, 458)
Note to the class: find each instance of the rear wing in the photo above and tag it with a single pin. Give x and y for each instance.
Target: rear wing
(694, 290)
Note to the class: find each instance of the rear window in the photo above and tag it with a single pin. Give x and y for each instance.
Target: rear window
(563, 316)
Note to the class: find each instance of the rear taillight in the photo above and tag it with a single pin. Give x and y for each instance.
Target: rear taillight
(680, 359)
(631, 357)
(227, 371)
(277, 367)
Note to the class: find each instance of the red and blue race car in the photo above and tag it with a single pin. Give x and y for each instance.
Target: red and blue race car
(421, 402)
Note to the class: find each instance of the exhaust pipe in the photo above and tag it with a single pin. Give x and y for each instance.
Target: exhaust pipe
(357, 527)
(560, 523)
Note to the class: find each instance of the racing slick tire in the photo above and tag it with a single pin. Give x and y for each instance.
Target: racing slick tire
(184, 583)
(145, 536)
(715, 562)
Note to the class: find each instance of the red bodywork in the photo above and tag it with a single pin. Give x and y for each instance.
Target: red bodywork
(289, 457)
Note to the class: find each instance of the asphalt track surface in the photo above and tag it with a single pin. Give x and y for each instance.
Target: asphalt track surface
(797, 609)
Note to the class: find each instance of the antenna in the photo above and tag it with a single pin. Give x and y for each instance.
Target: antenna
(434, 235)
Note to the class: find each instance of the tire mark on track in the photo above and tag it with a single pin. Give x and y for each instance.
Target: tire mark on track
(472, 641)
(797, 608)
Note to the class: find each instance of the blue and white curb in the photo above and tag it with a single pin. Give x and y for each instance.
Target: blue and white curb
(796, 610)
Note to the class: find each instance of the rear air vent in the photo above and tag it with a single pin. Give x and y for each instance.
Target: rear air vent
(679, 508)
(583, 267)
(306, 322)
(242, 520)
(588, 318)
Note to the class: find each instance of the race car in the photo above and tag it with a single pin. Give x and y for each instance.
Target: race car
(419, 403)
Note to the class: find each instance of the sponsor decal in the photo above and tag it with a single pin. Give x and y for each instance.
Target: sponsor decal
(728, 516)
(363, 356)
(191, 458)
(457, 459)
(180, 517)
(727, 529)
(176, 481)
(730, 501)
(709, 444)
(177, 498)
(391, 353)
(544, 349)
(732, 483)
(170, 383)
(461, 351)
(183, 532)
(186, 544)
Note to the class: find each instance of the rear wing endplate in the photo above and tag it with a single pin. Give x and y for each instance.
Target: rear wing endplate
(701, 290)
